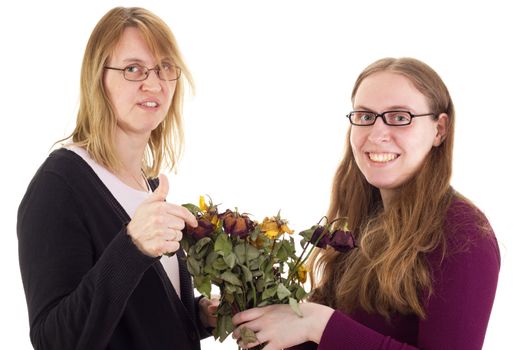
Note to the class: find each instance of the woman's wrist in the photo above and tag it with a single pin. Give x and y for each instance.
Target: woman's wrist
(318, 316)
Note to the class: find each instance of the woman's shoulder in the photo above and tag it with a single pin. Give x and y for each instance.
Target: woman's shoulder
(63, 160)
(62, 166)
(467, 228)
(462, 214)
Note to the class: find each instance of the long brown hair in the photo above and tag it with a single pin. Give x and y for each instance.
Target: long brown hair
(96, 120)
(388, 273)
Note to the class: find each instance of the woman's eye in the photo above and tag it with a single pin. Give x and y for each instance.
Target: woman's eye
(400, 118)
(132, 69)
(166, 66)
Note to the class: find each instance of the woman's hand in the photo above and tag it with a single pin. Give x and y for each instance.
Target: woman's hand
(156, 227)
(207, 311)
(278, 326)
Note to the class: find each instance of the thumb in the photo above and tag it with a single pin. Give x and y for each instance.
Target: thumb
(161, 192)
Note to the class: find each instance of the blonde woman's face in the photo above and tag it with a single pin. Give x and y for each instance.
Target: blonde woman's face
(140, 106)
(388, 156)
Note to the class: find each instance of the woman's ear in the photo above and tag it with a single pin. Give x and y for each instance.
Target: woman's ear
(441, 129)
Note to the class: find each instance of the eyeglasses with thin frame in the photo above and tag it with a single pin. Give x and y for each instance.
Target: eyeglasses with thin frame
(392, 118)
(138, 72)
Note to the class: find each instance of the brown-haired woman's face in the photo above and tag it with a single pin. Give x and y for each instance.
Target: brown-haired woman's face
(390, 155)
(140, 106)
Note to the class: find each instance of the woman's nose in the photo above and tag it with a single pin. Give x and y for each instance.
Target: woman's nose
(152, 82)
(379, 132)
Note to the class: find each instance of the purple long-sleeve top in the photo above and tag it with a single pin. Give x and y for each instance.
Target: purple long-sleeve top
(458, 310)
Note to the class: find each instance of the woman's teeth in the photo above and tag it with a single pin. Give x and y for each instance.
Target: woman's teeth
(382, 157)
(150, 104)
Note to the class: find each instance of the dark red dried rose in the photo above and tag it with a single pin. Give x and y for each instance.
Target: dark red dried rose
(204, 229)
(237, 225)
(320, 237)
(342, 241)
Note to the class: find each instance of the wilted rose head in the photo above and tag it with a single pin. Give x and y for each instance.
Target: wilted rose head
(320, 237)
(204, 228)
(274, 227)
(237, 225)
(342, 241)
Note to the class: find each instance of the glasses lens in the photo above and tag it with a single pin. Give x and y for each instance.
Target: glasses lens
(135, 72)
(168, 71)
(398, 118)
(362, 118)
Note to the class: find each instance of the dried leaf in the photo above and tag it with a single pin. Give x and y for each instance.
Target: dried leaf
(248, 336)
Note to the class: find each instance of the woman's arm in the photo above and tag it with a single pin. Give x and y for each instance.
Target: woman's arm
(464, 289)
(74, 300)
(457, 312)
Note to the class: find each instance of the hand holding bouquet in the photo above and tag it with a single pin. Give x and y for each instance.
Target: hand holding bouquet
(253, 264)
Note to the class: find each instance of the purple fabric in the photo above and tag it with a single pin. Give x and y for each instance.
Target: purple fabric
(458, 311)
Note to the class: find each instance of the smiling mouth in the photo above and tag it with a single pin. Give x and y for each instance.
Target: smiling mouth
(382, 157)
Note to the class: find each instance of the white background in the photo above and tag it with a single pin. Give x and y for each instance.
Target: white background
(266, 127)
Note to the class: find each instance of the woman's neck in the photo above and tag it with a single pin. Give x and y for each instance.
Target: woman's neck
(386, 196)
(130, 151)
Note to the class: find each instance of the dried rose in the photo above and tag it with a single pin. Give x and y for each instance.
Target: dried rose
(274, 227)
(342, 241)
(204, 228)
(302, 272)
(320, 237)
(236, 224)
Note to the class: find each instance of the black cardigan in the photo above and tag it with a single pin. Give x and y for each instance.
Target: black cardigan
(87, 285)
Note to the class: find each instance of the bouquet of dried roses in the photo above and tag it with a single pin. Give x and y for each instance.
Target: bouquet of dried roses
(253, 264)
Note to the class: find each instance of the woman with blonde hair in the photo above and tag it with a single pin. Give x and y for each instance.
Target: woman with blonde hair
(95, 231)
(425, 270)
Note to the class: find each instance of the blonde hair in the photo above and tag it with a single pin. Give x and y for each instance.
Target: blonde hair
(96, 120)
(388, 272)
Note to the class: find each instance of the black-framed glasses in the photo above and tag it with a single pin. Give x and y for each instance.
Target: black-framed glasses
(392, 118)
(137, 72)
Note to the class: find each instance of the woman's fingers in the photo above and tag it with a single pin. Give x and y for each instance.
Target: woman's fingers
(181, 213)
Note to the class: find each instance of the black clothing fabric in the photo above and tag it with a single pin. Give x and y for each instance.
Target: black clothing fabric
(87, 286)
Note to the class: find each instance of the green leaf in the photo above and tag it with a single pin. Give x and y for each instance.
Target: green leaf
(231, 289)
(295, 307)
(248, 336)
(220, 264)
(240, 252)
(209, 270)
(289, 246)
(246, 274)
(230, 260)
(263, 303)
(307, 234)
(223, 245)
(203, 285)
(251, 252)
(282, 291)
(211, 257)
(185, 243)
(300, 293)
(224, 327)
(201, 244)
(269, 292)
(193, 266)
(282, 253)
(192, 208)
(231, 278)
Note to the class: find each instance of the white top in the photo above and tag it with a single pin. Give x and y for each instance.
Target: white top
(129, 198)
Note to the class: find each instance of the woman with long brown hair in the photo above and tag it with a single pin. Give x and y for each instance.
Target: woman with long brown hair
(94, 226)
(425, 270)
